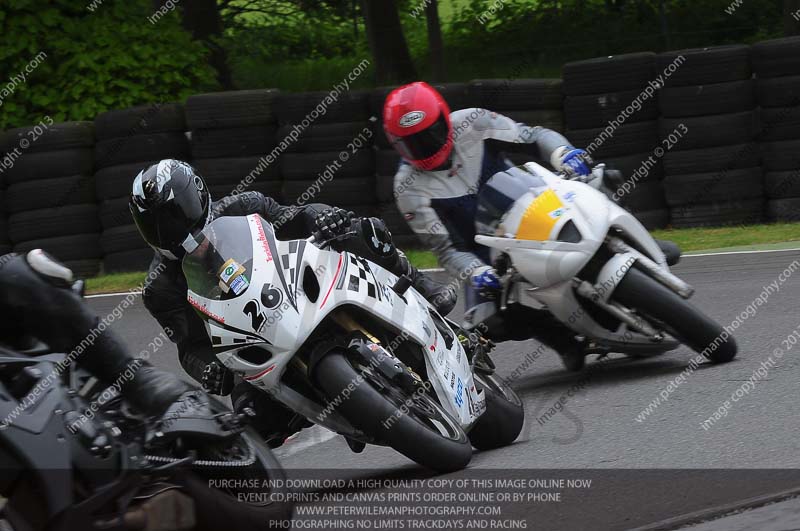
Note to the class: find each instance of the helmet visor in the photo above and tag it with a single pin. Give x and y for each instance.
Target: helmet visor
(424, 144)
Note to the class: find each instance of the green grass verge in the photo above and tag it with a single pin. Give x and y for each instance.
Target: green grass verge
(115, 282)
(688, 240)
(719, 238)
(421, 259)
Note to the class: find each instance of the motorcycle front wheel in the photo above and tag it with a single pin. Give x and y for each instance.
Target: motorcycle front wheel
(680, 318)
(241, 497)
(415, 425)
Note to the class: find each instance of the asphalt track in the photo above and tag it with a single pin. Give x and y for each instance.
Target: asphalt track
(643, 472)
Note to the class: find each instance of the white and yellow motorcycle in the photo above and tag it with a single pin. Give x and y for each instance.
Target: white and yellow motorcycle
(565, 247)
(347, 345)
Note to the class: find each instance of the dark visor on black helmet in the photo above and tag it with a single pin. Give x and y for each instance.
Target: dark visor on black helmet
(166, 213)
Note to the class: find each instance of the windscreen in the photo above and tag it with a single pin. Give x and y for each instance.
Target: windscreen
(500, 193)
(220, 267)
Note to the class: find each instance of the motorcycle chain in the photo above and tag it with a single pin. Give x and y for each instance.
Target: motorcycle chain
(248, 461)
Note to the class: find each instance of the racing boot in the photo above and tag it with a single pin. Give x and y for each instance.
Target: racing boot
(520, 323)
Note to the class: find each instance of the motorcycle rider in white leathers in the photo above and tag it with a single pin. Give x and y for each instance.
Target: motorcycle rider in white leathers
(446, 162)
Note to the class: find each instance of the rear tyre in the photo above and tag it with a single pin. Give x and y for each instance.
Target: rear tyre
(501, 423)
(437, 442)
(682, 319)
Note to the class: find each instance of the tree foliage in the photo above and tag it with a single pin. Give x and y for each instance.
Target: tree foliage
(573, 29)
(109, 58)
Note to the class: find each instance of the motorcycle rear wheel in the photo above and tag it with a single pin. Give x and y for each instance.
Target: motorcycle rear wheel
(222, 508)
(501, 423)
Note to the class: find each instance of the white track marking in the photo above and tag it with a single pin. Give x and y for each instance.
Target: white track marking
(741, 252)
(305, 439)
(440, 270)
(118, 294)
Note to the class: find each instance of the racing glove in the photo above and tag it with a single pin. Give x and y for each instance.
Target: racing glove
(333, 222)
(572, 161)
(485, 280)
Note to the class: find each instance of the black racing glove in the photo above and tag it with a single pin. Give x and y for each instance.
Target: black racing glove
(333, 222)
(217, 379)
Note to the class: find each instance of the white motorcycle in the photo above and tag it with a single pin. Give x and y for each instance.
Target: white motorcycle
(347, 345)
(565, 247)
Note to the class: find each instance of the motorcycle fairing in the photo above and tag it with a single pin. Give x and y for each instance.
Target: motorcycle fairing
(294, 286)
(549, 265)
(547, 261)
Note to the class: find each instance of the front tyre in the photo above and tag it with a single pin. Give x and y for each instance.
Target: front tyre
(417, 427)
(501, 423)
(241, 497)
(688, 324)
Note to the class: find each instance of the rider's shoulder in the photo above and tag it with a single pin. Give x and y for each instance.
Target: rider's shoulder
(243, 203)
(471, 122)
(470, 114)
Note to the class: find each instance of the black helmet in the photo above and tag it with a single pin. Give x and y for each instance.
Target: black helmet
(169, 203)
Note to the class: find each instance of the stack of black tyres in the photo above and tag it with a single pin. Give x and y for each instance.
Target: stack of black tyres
(608, 112)
(5, 242)
(534, 102)
(50, 193)
(329, 158)
(712, 168)
(387, 159)
(132, 140)
(776, 64)
(233, 139)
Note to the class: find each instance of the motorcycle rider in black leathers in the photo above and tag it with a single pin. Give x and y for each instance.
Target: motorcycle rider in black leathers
(37, 303)
(170, 203)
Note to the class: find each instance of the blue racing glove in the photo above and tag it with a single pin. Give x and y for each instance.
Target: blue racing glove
(485, 279)
(575, 162)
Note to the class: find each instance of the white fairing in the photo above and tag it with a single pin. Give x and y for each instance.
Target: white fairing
(548, 266)
(279, 268)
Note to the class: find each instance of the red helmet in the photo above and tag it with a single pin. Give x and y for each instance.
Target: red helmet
(417, 123)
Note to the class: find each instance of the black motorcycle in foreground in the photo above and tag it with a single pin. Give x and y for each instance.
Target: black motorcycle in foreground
(75, 456)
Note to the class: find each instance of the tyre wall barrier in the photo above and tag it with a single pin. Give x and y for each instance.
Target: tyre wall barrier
(703, 137)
